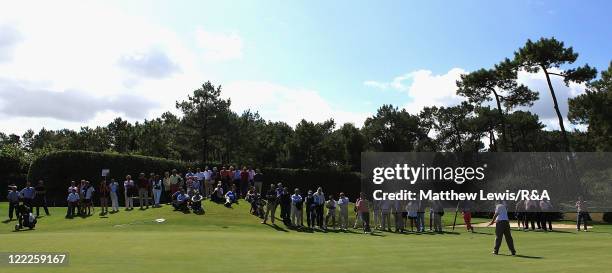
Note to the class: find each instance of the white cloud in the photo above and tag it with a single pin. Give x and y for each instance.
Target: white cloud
(219, 46)
(423, 88)
(101, 55)
(277, 102)
(375, 84)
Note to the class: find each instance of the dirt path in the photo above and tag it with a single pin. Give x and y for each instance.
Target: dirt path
(513, 224)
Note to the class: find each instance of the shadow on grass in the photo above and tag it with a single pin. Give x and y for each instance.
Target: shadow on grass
(522, 256)
(8, 221)
(277, 228)
(24, 230)
(483, 233)
(561, 231)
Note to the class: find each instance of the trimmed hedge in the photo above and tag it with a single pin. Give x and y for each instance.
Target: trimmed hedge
(333, 182)
(607, 217)
(57, 169)
(12, 169)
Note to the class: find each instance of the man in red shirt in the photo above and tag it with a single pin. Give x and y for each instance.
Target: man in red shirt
(244, 181)
(143, 190)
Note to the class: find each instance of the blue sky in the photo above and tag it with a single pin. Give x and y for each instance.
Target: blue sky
(346, 57)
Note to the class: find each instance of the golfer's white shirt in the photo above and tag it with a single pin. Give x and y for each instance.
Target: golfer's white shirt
(502, 213)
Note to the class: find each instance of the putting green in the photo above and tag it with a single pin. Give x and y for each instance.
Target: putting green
(231, 240)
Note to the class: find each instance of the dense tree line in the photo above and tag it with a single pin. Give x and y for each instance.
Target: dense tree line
(208, 131)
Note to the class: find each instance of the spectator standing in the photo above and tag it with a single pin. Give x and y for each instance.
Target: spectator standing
(343, 203)
(259, 179)
(581, 214)
(244, 182)
(285, 204)
(519, 212)
(143, 191)
(174, 182)
(41, 198)
(157, 190)
(199, 180)
(236, 176)
(331, 212)
(420, 207)
(466, 211)
(271, 198)
(28, 194)
(362, 206)
(13, 199)
(128, 190)
(167, 188)
(88, 191)
(251, 177)
(208, 182)
(398, 209)
(296, 209)
(311, 208)
(438, 212)
(104, 193)
(319, 198)
(385, 207)
(546, 215)
(113, 186)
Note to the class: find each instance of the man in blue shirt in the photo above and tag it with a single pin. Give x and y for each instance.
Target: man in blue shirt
(73, 201)
(181, 201)
(13, 198)
(28, 193)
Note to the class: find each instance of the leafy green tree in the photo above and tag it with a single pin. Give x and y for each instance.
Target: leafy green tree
(454, 128)
(273, 147)
(499, 84)
(205, 112)
(548, 55)
(352, 143)
(121, 134)
(525, 131)
(594, 108)
(308, 147)
(392, 130)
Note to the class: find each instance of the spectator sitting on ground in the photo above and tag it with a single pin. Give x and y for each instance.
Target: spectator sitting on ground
(181, 201)
(230, 197)
(73, 202)
(196, 202)
(217, 195)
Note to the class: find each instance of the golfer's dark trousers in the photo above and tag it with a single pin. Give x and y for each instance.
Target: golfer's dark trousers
(545, 218)
(365, 217)
(529, 218)
(502, 229)
(581, 218)
(320, 215)
(310, 216)
(28, 202)
(13, 206)
(71, 207)
(41, 201)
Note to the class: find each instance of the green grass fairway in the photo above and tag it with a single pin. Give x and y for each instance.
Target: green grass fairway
(231, 240)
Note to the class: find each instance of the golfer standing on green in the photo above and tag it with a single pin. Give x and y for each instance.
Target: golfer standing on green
(502, 228)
